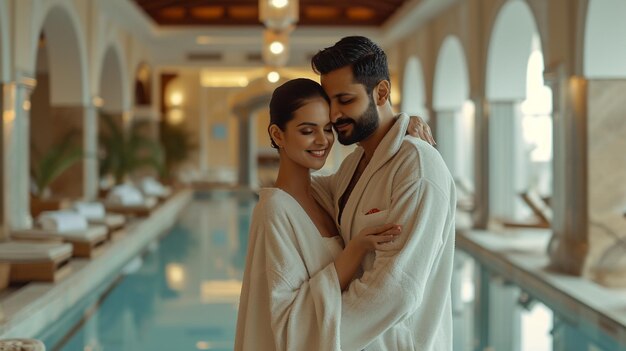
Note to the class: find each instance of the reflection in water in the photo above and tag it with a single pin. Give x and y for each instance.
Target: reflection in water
(183, 297)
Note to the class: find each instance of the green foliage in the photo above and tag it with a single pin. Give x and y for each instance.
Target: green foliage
(47, 167)
(177, 143)
(122, 153)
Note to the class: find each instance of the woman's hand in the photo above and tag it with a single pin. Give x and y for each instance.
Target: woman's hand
(375, 238)
(420, 129)
(369, 239)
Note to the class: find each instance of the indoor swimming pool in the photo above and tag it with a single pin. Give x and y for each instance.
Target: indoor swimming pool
(181, 294)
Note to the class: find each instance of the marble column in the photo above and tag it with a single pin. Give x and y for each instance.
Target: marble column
(447, 125)
(247, 158)
(506, 176)
(569, 245)
(481, 163)
(90, 149)
(15, 138)
(203, 130)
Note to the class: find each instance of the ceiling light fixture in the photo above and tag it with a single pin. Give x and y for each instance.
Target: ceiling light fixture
(277, 47)
(273, 77)
(279, 4)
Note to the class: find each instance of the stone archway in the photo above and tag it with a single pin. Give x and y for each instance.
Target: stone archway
(520, 114)
(57, 103)
(454, 113)
(413, 95)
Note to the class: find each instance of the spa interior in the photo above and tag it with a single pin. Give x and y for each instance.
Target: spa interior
(134, 142)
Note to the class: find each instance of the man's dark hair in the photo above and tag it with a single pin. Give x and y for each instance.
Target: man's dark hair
(289, 97)
(368, 60)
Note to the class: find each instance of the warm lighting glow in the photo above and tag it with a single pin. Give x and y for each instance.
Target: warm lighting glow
(176, 98)
(26, 105)
(176, 276)
(278, 14)
(279, 4)
(203, 345)
(223, 79)
(220, 291)
(8, 116)
(175, 116)
(203, 40)
(277, 47)
(97, 101)
(273, 77)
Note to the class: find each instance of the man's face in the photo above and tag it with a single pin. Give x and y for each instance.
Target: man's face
(352, 111)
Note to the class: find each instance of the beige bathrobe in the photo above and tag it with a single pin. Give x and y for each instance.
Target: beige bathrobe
(290, 298)
(402, 301)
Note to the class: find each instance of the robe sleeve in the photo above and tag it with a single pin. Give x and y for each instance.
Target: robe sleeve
(394, 287)
(305, 309)
(325, 187)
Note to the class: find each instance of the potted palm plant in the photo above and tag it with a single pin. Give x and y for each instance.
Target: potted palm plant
(178, 144)
(46, 167)
(121, 153)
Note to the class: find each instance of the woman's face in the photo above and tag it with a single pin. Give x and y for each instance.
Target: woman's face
(308, 137)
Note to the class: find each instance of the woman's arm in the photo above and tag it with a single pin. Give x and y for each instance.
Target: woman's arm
(369, 239)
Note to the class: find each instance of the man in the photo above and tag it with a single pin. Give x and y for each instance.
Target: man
(402, 300)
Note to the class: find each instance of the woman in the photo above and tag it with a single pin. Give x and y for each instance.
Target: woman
(296, 264)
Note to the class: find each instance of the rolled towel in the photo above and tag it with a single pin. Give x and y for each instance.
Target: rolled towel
(152, 187)
(90, 210)
(62, 221)
(125, 195)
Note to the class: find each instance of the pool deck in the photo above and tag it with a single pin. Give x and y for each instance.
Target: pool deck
(26, 311)
(520, 256)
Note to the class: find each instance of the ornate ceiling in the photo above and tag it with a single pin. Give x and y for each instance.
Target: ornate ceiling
(245, 12)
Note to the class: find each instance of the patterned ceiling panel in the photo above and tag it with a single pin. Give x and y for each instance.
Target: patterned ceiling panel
(246, 12)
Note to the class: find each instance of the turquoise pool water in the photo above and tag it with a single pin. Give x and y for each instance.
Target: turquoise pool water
(181, 294)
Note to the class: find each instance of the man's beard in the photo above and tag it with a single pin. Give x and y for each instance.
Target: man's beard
(362, 128)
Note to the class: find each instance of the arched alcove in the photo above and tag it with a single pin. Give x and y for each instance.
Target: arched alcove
(604, 46)
(143, 85)
(604, 66)
(58, 100)
(112, 82)
(455, 114)
(520, 125)
(413, 96)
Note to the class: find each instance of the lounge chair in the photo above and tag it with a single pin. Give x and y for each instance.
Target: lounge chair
(35, 261)
(96, 214)
(70, 227)
(541, 210)
(128, 200)
(151, 187)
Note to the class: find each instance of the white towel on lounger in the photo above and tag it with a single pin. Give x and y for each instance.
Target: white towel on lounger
(62, 221)
(153, 187)
(125, 195)
(90, 210)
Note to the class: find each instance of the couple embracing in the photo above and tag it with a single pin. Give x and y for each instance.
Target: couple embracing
(361, 259)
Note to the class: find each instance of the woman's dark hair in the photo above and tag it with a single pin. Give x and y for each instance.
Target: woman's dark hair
(368, 60)
(289, 97)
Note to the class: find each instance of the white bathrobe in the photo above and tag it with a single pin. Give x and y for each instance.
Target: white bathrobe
(402, 301)
(290, 298)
